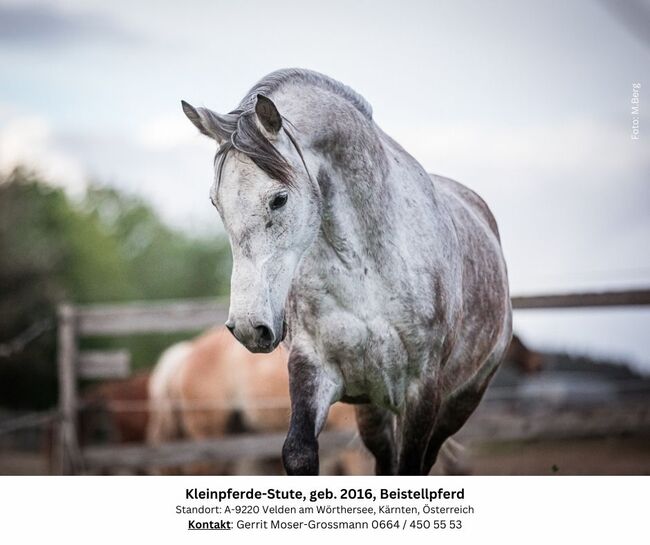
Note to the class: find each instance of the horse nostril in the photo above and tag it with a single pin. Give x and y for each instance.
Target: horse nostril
(264, 335)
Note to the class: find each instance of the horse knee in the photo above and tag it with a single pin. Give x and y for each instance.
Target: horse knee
(300, 457)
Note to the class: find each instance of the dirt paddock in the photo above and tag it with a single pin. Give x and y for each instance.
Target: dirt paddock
(601, 456)
(622, 455)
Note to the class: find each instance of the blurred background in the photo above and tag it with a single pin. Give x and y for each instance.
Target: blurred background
(104, 185)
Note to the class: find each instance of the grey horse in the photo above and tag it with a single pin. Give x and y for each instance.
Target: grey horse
(388, 284)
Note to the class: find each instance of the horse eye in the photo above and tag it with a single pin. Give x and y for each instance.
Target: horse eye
(278, 201)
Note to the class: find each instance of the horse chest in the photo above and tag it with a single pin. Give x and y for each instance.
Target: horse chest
(354, 327)
(367, 355)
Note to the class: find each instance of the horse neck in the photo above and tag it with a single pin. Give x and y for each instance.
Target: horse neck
(350, 164)
(357, 202)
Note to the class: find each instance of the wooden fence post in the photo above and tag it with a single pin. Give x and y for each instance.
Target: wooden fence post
(67, 356)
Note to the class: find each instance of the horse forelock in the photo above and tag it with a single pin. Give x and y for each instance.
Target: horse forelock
(247, 138)
(243, 134)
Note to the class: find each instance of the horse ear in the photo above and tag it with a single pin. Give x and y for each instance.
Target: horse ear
(268, 115)
(205, 120)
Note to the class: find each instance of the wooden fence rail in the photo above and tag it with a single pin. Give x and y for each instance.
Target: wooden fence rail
(151, 317)
(196, 315)
(182, 453)
(627, 298)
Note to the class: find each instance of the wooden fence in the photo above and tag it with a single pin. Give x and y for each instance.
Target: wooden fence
(195, 315)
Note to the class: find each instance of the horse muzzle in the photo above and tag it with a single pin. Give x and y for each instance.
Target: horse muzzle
(256, 336)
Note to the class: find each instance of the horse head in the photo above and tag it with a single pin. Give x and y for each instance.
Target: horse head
(270, 208)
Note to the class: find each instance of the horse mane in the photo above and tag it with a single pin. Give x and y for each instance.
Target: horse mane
(275, 80)
(242, 133)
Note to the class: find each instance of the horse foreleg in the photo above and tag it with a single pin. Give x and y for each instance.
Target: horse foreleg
(416, 424)
(312, 393)
(376, 428)
(456, 410)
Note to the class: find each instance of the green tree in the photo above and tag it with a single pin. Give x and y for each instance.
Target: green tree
(107, 247)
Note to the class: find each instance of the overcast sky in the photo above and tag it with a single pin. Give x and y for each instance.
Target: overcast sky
(528, 103)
